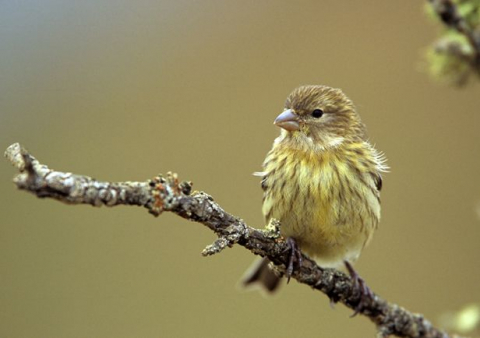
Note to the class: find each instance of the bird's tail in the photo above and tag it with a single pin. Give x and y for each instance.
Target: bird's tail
(261, 275)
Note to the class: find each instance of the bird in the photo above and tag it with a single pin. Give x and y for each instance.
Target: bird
(321, 180)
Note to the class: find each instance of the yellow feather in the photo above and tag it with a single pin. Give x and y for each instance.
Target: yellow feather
(329, 207)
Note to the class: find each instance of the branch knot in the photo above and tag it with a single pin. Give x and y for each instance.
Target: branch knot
(227, 238)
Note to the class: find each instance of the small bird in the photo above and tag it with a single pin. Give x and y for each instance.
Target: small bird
(322, 181)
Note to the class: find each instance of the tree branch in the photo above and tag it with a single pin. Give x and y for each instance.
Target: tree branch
(455, 56)
(168, 194)
(448, 12)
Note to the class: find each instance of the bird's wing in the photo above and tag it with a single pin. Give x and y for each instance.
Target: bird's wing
(377, 178)
(263, 175)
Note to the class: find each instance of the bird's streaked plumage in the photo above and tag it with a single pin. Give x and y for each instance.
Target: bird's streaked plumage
(322, 178)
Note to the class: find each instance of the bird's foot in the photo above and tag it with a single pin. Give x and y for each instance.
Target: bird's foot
(295, 258)
(366, 295)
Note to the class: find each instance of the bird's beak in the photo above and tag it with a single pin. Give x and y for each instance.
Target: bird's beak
(287, 120)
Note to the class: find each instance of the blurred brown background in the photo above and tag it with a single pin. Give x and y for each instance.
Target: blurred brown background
(122, 90)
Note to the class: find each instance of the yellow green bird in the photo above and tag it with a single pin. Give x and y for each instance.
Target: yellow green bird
(321, 180)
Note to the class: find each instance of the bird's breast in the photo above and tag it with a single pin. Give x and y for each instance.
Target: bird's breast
(323, 200)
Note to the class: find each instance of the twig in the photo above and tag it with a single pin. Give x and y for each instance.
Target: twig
(447, 12)
(168, 194)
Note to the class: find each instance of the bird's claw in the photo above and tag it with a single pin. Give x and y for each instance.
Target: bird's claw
(295, 257)
(366, 295)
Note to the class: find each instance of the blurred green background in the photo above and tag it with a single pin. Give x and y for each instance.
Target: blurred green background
(123, 90)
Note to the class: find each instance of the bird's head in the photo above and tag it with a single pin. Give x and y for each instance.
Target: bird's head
(319, 116)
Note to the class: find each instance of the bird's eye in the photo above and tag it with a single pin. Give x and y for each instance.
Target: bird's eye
(317, 113)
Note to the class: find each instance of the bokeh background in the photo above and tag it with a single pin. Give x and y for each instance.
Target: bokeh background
(123, 90)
